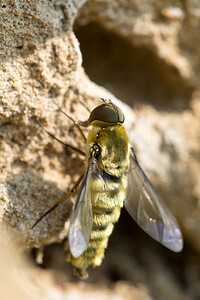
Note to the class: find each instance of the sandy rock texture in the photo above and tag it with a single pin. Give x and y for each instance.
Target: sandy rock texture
(145, 53)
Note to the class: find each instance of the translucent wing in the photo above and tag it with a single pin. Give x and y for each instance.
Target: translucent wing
(149, 210)
(82, 218)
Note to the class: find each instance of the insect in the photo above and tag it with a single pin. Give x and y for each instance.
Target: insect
(113, 178)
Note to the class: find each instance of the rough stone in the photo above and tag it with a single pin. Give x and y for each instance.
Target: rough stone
(147, 55)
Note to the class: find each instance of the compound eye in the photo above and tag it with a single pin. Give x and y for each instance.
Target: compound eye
(107, 113)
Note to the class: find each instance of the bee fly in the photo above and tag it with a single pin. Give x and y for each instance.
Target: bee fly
(113, 178)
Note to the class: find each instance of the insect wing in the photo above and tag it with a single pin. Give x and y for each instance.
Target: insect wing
(82, 218)
(149, 210)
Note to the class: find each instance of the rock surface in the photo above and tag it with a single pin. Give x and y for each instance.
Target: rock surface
(147, 55)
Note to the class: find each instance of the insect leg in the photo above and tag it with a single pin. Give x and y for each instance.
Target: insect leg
(60, 201)
(71, 148)
(81, 102)
(75, 123)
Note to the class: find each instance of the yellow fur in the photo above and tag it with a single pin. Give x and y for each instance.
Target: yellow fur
(108, 199)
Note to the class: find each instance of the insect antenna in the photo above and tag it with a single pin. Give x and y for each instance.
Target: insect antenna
(104, 100)
(107, 101)
(60, 201)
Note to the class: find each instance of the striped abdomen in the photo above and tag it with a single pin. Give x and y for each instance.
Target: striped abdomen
(108, 194)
